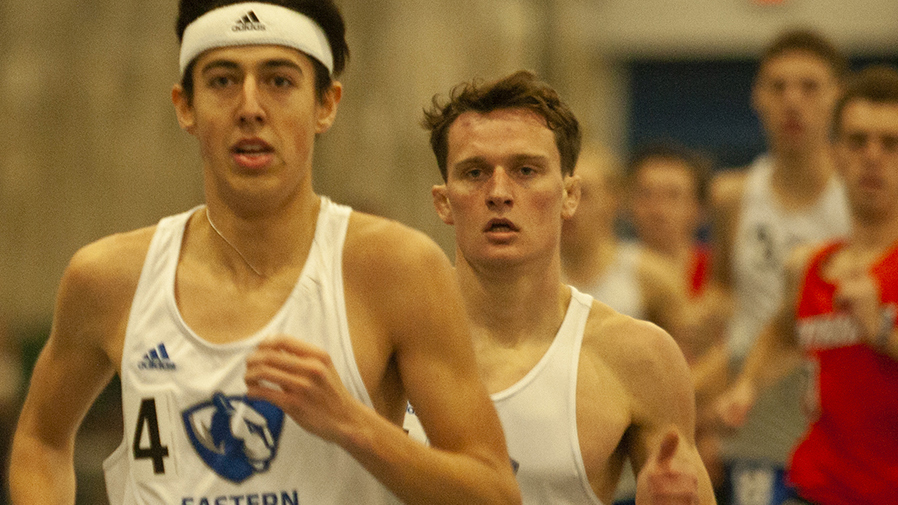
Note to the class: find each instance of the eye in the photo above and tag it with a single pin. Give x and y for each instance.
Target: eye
(527, 171)
(281, 81)
(810, 86)
(220, 81)
(675, 194)
(856, 141)
(890, 143)
(474, 173)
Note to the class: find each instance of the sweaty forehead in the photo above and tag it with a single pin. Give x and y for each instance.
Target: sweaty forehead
(255, 55)
(500, 132)
(864, 115)
(662, 164)
(516, 117)
(664, 173)
(798, 63)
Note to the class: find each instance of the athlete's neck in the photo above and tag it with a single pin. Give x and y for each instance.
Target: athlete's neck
(509, 305)
(875, 233)
(264, 242)
(798, 179)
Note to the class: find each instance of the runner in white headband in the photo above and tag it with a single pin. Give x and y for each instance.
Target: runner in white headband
(255, 23)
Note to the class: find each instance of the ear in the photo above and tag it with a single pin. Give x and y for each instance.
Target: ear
(571, 196)
(327, 107)
(441, 203)
(183, 109)
(840, 153)
(755, 95)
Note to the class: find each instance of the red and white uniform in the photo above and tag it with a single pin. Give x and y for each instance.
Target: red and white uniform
(850, 453)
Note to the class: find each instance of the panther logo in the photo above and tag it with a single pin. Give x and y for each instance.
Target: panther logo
(235, 436)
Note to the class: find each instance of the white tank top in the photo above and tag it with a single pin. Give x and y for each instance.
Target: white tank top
(620, 289)
(539, 417)
(191, 435)
(765, 236)
(619, 286)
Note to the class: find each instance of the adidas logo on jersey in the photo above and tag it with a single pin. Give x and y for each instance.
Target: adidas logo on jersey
(248, 22)
(156, 359)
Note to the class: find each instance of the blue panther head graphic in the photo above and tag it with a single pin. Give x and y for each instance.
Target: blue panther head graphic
(235, 436)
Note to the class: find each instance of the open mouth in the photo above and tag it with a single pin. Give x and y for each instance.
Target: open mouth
(793, 125)
(252, 154)
(252, 148)
(500, 225)
(870, 183)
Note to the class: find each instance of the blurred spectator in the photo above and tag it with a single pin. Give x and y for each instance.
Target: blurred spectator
(667, 185)
(839, 310)
(789, 196)
(622, 274)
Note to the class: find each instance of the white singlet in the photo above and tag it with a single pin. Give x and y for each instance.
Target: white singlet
(619, 285)
(539, 417)
(766, 235)
(191, 435)
(620, 289)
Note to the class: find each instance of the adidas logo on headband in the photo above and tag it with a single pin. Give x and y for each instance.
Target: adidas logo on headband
(282, 27)
(248, 22)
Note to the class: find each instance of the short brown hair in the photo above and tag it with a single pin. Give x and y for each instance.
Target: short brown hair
(876, 83)
(519, 90)
(697, 163)
(810, 41)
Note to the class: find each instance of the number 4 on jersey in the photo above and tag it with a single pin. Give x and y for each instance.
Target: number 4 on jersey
(155, 450)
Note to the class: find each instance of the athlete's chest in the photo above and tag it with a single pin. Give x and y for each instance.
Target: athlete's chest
(223, 311)
(502, 367)
(765, 241)
(188, 394)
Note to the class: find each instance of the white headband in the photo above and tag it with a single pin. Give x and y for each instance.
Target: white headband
(255, 23)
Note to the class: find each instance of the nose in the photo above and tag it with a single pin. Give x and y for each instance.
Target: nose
(792, 93)
(793, 96)
(251, 111)
(873, 150)
(499, 191)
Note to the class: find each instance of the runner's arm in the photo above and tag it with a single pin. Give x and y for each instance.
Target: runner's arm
(71, 371)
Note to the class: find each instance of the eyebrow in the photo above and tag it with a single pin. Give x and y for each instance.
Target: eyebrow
(267, 64)
(279, 63)
(531, 158)
(518, 159)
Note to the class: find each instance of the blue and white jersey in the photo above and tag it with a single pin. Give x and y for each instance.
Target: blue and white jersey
(766, 235)
(192, 436)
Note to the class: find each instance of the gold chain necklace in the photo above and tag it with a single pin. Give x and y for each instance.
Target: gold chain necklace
(250, 265)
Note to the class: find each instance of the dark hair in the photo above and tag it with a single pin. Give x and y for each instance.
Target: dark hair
(876, 83)
(324, 12)
(520, 90)
(802, 39)
(699, 164)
